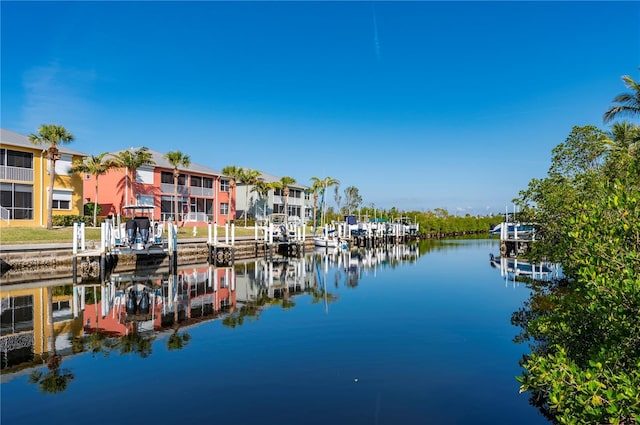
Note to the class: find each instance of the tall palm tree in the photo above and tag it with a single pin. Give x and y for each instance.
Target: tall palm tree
(248, 178)
(51, 135)
(131, 160)
(97, 166)
(316, 187)
(262, 188)
(234, 173)
(177, 159)
(324, 184)
(285, 182)
(629, 103)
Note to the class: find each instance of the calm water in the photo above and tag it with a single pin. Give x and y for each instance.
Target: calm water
(405, 337)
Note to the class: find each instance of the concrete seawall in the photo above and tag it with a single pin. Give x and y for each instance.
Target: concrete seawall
(25, 263)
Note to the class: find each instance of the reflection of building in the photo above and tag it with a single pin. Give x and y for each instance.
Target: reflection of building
(37, 320)
(272, 279)
(190, 295)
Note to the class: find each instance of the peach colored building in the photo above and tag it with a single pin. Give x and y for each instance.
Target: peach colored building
(204, 194)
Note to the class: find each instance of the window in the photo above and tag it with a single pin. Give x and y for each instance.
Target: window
(18, 199)
(224, 208)
(63, 165)
(224, 185)
(145, 175)
(166, 177)
(207, 182)
(145, 199)
(16, 158)
(62, 199)
(17, 314)
(196, 181)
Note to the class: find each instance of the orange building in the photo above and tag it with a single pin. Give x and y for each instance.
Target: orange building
(204, 194)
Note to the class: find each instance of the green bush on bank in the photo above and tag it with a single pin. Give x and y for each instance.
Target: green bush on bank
(584, 333)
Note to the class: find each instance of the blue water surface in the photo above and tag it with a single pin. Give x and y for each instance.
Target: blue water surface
(427, 341)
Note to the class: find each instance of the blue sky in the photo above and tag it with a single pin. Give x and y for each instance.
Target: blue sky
(420, 105)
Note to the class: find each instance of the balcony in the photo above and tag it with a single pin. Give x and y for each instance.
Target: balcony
(16, 173)
(203, 192)
(168, 188)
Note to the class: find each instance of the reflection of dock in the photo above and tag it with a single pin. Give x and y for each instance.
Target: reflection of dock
(512, 268)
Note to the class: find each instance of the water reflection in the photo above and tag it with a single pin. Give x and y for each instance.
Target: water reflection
(44, 322)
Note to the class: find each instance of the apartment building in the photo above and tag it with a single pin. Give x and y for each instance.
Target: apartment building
(204, 194)
(259, 206)
(24, 182)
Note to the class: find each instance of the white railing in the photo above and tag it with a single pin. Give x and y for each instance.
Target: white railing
(197, 216)
(168, 188)
(5, 214)
(201, 191)
(16, 173)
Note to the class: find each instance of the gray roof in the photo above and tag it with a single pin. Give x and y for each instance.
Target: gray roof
(160, 161)
(11, 138)
(269, 178)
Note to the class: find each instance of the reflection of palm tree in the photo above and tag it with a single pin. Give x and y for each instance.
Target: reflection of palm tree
(133, 342)
(177, 341)
(55, 380)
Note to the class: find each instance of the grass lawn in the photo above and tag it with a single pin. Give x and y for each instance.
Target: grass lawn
(18, 235)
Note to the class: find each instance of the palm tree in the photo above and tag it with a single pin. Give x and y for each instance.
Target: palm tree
(316, 187)
(51, 135)
(96, 166)
(284, 184)
(176, 159)
(629, 103)
(248, 178)
(262, 188)
(323, 184)
(234, 173)
(131, 160)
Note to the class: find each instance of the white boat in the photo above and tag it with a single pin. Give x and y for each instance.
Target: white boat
(329, 240)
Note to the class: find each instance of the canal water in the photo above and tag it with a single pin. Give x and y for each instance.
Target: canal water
(416, 334)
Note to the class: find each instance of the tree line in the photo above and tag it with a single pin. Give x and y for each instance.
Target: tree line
(583, 331)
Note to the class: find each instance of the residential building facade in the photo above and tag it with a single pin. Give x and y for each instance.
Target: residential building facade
(259, 206)
(204, 194)
(24, 182)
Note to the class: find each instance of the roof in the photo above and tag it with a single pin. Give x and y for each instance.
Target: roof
(160, 161)
(268, 178)
(11, 138)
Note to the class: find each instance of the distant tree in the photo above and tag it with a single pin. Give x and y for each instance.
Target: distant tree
(234, 173)
(97, 166)
(131, 160)
(338, 198)
(177, 159)
(284, 184)
(262, 188)
(248, 178)
(323, 184)
(628, 103)
(51, 135)
(352, 198)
